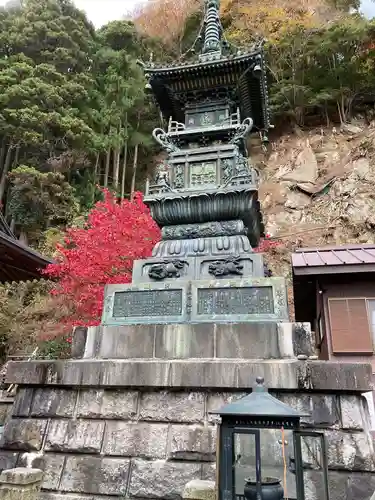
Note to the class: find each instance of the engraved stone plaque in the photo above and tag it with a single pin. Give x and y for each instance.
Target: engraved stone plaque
(235, 300)
(147, 303)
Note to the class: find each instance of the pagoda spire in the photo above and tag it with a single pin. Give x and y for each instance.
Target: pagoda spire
(212, 31)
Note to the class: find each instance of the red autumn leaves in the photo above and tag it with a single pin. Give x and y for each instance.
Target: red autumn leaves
(116, 234)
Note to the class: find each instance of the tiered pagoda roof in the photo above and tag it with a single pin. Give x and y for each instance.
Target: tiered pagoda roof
(219, 71)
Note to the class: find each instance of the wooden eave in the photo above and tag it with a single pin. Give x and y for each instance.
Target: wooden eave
(19, 262)
(333, 264)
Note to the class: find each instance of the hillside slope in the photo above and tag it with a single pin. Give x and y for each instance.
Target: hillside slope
(317, 188)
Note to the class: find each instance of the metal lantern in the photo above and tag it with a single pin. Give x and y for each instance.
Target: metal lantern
(264, 455)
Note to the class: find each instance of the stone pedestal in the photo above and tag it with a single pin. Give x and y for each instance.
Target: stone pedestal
(20, 484)
(139, 426)
(199, 490)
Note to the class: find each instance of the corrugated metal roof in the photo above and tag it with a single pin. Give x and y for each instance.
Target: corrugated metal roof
(334, 256)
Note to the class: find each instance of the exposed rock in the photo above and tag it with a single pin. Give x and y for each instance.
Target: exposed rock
(305, 167)
(345, 186)
(283, 220)
(362, 168)
(361, 210)
(349, 128)
(297, 200)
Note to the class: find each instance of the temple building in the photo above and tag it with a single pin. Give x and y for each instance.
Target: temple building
(17, 261)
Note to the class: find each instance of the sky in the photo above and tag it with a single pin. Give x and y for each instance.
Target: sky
(102, 11)
(368, 8)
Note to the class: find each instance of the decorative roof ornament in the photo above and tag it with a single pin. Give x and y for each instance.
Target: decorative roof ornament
(213, 69)
(212, 48)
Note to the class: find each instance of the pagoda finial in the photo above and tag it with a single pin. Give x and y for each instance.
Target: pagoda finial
(212, 32)
(260, 385)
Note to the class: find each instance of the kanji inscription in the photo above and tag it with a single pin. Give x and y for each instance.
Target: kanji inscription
(143, 303)
(221, 301)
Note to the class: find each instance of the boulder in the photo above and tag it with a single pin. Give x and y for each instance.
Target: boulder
(305, 167)
(362, 167)
(349, 128)
(297, 200)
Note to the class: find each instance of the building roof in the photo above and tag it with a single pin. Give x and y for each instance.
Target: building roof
(336, 263)
(19, 262)
(333, 260)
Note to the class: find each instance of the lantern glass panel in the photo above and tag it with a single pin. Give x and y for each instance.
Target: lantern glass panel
(312, 472)
(262, 464)
(246, 461)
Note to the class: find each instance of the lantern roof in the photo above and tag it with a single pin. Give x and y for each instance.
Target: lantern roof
(259, 404)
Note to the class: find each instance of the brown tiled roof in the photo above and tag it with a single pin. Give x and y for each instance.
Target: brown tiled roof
(333, 257)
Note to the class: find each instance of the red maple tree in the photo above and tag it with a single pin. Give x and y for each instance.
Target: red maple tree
(116, 234)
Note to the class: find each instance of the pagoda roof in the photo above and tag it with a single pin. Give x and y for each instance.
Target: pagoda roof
(174, 85)
(200, 66)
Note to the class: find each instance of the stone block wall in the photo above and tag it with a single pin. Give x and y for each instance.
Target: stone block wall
(6, 406)
(6, 403)
(148, 444)
(140, 427)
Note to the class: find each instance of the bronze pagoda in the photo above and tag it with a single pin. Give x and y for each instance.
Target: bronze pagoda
(205, 195)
